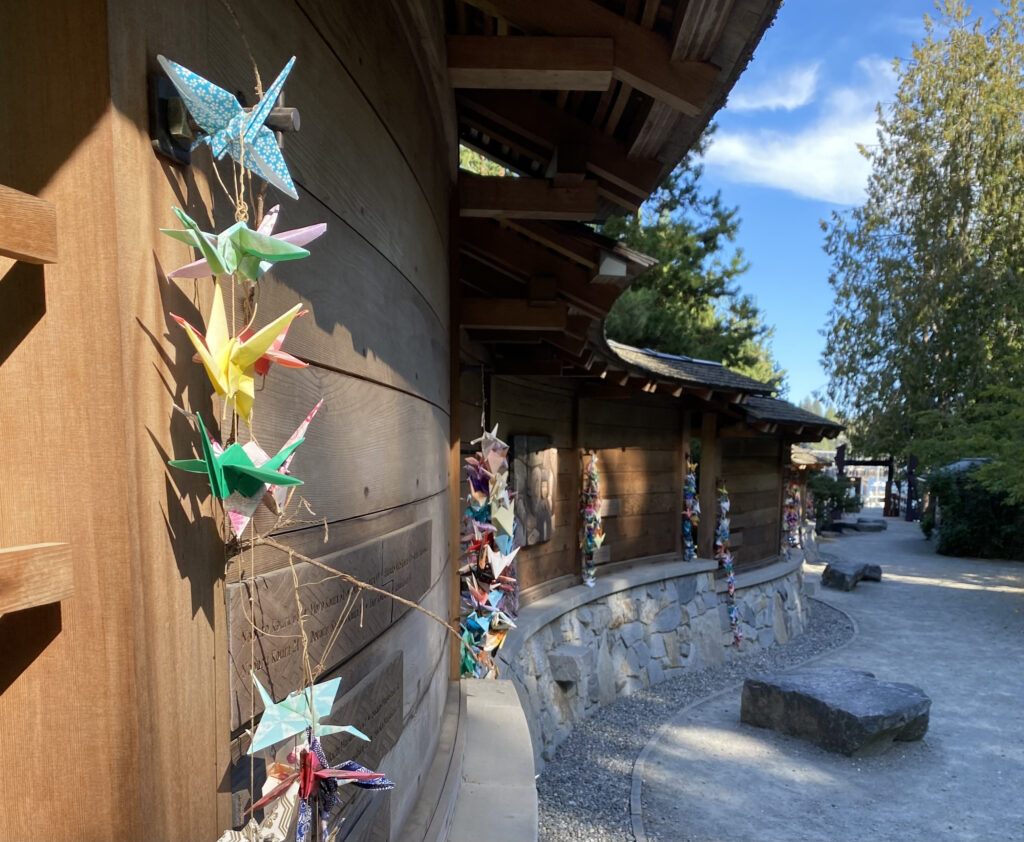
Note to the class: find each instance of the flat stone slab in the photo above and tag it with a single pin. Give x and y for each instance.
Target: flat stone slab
(842, 710)
(844, 574)
(872, 524)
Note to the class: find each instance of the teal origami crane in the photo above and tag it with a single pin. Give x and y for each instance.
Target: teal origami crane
(239, 248)
(295, 714)
(230, 129)
(233, 469)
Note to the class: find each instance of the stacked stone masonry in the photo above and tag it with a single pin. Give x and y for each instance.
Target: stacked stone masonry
(638, 637)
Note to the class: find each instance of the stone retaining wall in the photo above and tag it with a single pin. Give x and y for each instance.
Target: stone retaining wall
(631, 635)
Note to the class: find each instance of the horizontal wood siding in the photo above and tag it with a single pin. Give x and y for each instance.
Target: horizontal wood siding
(140, 648)
(542, 408)
(640, 464)
(751, 469)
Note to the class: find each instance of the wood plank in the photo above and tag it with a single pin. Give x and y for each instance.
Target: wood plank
(511, 314)
(626, 459)
(643, 58)
(35, 574)
(546, 126)
(645, 415)
(344, 155)
(609, 435)
(390, 448)
(28, 227)
(710, 465)
(765, 481)
(525, 198)
(406, 81)
(520, 398)
(514, 424)
(635, 526)
(530, 63)
(365, 317)
(755, 517)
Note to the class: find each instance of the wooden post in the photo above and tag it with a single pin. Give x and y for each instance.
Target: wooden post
(577, 444)
(710, 465)
(783, 464)
(455, 441)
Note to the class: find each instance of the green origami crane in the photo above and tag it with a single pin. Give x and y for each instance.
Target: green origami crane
(237, 248)
(296, 712)
(233, 470)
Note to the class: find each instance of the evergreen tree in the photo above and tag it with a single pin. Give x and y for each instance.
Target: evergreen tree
(926, 335)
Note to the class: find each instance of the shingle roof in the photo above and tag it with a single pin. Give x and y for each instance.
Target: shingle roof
(689, 370)
(780, 411)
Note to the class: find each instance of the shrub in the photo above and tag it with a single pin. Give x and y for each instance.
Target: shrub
(974, 521)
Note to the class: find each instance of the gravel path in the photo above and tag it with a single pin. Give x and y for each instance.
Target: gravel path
(584, 792)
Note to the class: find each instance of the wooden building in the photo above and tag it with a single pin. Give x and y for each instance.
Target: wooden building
(126, 626)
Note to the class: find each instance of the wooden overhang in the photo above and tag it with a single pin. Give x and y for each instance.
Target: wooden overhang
(588, 105)
(774, 414)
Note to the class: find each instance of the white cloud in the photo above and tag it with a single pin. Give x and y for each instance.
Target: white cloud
(789, 91)
(818, 160)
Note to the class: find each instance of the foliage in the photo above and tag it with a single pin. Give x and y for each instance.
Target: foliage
(474, 162)
(818, 408)
(689, 304)
(926, 334)
(831, 494)
(974, 521)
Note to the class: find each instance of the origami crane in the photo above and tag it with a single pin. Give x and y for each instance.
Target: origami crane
(499, 560)
(316, 780)
(251, 253)
(230, 129)
(241, 508)
(277, 823)
(230, 360)
(492, 449)
(238, 248)
(295, 713)
(232, 471)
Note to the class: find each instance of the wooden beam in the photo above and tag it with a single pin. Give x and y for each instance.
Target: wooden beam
(697, 28)
(525, 257)
(505, 337)
(28, 227)
(578, 326)
(536, 368)
(525, 198)
(36, 574)
(643, 59)
(511, 314)
(537, 63)
(542, 288)
(540, 123)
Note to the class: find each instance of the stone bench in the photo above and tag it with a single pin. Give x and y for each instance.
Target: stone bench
(871, 524)
(844, 574)
(842, 710)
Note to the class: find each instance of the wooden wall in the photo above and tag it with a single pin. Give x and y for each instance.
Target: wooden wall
(639, 457)
(752, 468)
(639, 460)
(128, 679)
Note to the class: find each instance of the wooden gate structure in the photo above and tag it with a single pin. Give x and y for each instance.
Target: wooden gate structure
(124, 694)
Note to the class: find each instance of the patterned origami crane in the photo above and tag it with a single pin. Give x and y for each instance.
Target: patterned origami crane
(250, 253)
(230, 128)
(296, 712)
(318, 781)
(230, 360)
(238, 248)
(233, 471)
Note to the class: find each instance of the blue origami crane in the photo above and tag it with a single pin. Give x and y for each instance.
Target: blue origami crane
(294, 714)
(230, 129)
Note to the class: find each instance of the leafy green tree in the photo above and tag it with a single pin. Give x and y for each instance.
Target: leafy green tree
(689, 304)
(926, 334)
(472, 161)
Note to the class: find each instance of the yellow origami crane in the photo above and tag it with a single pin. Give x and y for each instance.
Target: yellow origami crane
(228, 359)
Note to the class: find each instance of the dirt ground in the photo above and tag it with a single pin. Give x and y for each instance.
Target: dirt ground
(955, 628)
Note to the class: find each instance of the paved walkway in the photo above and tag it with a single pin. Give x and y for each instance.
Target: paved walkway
(955, 628)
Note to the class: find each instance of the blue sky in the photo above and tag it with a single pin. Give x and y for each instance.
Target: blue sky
(785, 154)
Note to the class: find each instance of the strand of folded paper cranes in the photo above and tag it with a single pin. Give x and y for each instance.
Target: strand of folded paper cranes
(591, 533)
(489, 586)
(301, 788)
(724, 558)
(691, 511)
(791, 518)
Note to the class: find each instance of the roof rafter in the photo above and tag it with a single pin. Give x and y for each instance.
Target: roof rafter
(530, 62)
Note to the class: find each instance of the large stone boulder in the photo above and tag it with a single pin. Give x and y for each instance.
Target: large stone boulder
(842, 710)
(845, 574)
